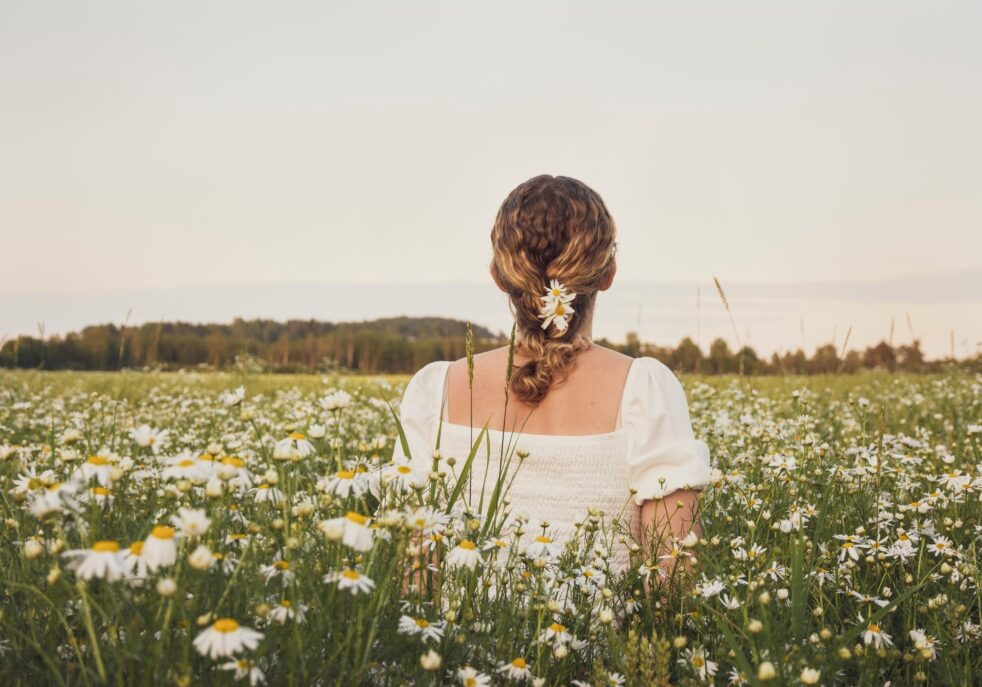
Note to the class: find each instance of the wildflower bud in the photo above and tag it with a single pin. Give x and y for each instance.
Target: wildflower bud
(606, 616)
(247, 414)
(522, 453)
(184, 485)
(810, 676)
(945, 569)
(32, 549)
(278, 523)
(204, 619)
(552, 605)
(54, 575)
(262, 609)
(539, 563)
(116, 473)
(271, 476)
(845, 654)
(782, 594)
(334, 530)
(908, 578)
(755, 627)
(560, 651)
(166, 587)
(201, 558)
(679, 642)
(10, 523)
(766, 671)
(430, 660)
(764, 598)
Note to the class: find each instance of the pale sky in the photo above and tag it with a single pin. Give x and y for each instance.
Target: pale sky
(808, 153)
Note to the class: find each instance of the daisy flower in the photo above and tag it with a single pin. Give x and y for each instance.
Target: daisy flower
(542, 547)
(338, 400)
(184, 466)
(464, 555)
(146, 437)
(159, 548)
(233, 398)
(342, 483)
(469, 677)
(226, 637)
(98, 467)
(421, 626)
(352, 580)
(555, 632)
(875, 635)
(403, 474)
(279, 568)
(193, 521)
(294, 447)
(265, 493)
(102, 561)
(699, 660)
(556, 308)
(244, 668)
(924, 643)
(285, 610)
(516, 669)
(353, 529)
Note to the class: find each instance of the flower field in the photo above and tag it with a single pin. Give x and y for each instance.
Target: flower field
(186, 529)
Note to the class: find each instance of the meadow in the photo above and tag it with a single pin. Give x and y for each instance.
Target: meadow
(225, 528)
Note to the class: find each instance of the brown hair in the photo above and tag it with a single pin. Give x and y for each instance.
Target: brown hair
(550, 228)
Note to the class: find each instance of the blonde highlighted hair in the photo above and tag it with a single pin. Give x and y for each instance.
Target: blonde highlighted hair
(550, 228)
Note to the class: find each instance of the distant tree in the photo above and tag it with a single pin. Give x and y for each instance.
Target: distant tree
(687, 356)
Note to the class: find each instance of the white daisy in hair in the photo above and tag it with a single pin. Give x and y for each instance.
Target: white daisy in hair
(556, 308)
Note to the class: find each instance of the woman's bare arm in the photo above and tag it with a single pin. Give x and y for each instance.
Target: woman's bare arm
(669, 519)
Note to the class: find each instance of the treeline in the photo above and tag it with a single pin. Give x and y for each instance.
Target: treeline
(721, 359)
(394, 345)
(398, 344)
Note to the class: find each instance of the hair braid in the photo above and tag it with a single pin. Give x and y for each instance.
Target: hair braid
(550, 228)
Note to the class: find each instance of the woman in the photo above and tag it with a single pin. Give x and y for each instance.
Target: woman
(600, 429)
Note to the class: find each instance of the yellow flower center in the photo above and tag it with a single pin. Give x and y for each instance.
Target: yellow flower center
(233, 461)
(351, 574)
(519, 662)
(559, 309)
(557, 627)
(470, 682)
(281, 565)
(162, 532)
(98, 460)
(422, 622)
(542, 539)
(105, 546)
(345, 474)
(136, 548)
(100, 491)
(697, 661)
(286, 603)
(225, 625)
(467, 544)
(356, 518)
(404, 469)
(186, 463)
(207, 457)
(873, 627)
(55, 487)
(297, 436)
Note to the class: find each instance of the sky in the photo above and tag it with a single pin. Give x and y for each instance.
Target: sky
(203, 161)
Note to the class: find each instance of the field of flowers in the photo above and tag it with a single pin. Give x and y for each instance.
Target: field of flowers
(187, 529)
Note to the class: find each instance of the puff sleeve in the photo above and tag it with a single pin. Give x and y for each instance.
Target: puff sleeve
(419, 413)
(662, 453)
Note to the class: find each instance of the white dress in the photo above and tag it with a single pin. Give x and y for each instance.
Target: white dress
(652, 450)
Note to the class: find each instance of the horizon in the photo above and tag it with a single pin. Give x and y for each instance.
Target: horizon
(662, 313)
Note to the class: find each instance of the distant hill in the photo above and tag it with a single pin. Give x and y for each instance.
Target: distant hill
(395, 344)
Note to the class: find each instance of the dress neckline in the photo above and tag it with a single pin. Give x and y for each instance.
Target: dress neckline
(602, 436)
